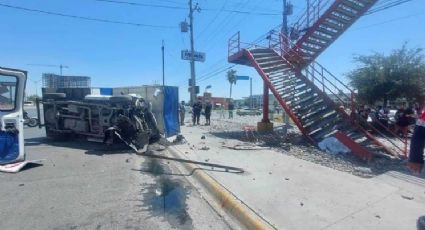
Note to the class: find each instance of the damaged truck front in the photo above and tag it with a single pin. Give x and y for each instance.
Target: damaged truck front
(107, 119)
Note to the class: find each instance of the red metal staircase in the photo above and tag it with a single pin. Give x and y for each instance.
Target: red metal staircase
(303, 86)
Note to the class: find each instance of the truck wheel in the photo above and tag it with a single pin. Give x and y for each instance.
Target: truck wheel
(32, 122)
(54, 96)
(121, 99)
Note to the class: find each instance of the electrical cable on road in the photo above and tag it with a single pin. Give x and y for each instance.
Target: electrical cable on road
(85, 18)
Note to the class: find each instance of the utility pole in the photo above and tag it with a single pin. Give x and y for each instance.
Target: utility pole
(192, 59)
(163, 63)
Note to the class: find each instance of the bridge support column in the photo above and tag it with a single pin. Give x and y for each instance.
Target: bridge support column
(265, 125)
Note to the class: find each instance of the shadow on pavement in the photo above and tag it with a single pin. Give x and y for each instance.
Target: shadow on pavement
(91, 148)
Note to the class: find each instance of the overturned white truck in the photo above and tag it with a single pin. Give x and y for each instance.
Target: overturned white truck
(106, 119)
(136, 116)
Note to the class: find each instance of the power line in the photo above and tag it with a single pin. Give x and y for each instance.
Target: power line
(212, 21)
(386, 6)
(144, 4)
(186, 8)
(388, 21)
(85, 18)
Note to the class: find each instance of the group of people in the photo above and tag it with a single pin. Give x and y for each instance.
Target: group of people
(404, 117)
(207, 107)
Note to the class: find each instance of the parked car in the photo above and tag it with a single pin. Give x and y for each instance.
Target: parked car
(251, 112)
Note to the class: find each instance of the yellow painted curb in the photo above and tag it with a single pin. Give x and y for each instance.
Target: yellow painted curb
(226, 200)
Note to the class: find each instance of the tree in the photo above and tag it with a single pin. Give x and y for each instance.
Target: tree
(231, 77)
(383, 78)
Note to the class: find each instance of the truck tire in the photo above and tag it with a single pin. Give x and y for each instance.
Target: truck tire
(54, 96)
(32, 122)
(121, 99)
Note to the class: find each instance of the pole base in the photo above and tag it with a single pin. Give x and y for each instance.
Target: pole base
(264, 126)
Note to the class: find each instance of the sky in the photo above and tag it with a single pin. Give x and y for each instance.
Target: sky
(127, 55)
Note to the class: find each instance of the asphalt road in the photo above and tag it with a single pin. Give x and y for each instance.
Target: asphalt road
(83, 185)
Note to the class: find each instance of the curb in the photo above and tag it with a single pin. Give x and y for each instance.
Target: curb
(226, 200)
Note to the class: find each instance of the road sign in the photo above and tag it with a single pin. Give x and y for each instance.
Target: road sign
(196, 89)
(198, 56)
(242, 77)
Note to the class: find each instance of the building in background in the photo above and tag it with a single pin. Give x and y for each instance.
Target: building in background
(55, 81)
(215, 101)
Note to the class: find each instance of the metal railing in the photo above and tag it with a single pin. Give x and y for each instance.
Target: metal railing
(234, 44)
(329, 84)
(325, 81)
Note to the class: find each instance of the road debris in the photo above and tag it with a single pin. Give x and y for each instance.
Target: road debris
(244, 147)
(205, 148)
(407, 197)
(16, 167)
(333, 146)
(179, 139)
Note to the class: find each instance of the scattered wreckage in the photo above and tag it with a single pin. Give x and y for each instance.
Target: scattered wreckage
(107, 119)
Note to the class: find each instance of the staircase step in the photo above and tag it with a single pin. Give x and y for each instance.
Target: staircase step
(347, 12)
(315, 42)
(319, 135)
(317, 105)
(353, 5)
(272, 63)
(284, 78)
(329, 121)
(262, 55)
(290, 94)
(257, 51)
(310, 48)
(332, 25)
(305, 101)
(280, 76)
(261, 60)
(326, 31)
(321, 37)
(318, 113)
(339, 19)
(276, 68)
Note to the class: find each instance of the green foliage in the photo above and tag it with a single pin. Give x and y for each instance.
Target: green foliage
(231, 77)
(383, 78)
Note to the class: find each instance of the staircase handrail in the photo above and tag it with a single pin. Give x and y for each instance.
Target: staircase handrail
(283, 52)
(319, 6)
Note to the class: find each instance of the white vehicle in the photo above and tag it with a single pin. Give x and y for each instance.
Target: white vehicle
(12, 87)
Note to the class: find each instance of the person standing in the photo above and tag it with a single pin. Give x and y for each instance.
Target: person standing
(182, 111)
(403, 117)
(231, 107)
(196, 111)
(208, 108)
(417, 145)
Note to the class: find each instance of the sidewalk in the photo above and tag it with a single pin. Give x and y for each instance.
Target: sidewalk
(291, 193)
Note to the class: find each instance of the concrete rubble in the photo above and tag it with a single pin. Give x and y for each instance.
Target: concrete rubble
(287, 175)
